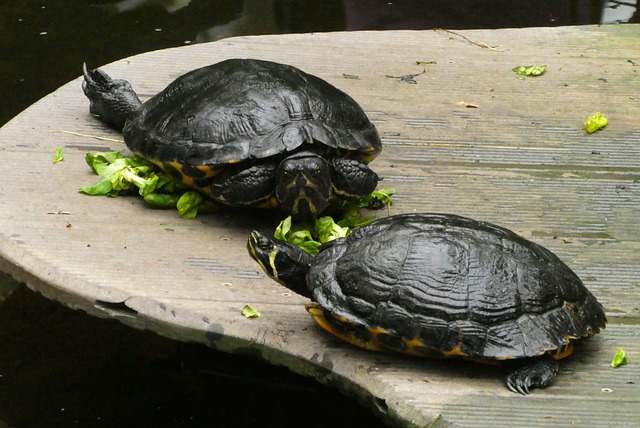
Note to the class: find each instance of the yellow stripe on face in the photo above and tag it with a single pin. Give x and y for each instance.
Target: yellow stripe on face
(272, 263)
(303, 197)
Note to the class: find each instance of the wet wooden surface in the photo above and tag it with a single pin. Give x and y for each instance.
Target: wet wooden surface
(463, 135)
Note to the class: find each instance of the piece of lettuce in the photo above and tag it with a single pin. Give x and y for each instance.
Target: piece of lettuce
(119, 173)
(249, 312)
(595, 122)
(188, 204)
(326, 229)
(156, 187)
(620, 358)
(530, 70)
(58, 157)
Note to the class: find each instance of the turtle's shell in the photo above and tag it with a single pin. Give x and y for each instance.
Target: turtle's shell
(443, 285)
(245, 110)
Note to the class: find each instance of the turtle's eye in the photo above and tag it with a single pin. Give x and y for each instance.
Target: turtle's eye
(317, 169)
(265, 244)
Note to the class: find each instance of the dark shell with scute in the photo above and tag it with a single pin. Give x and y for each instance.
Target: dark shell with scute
(239, 110)
(451, 282)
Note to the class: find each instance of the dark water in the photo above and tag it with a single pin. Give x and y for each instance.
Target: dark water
(43, 43)
(63, 368)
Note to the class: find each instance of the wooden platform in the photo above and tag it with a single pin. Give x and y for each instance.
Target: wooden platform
(463, 135)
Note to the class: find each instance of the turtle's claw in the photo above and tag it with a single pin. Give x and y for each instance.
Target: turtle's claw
(518, 385)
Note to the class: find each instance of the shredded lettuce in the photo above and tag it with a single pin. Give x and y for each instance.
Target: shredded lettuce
(326, 229)
(156, 187)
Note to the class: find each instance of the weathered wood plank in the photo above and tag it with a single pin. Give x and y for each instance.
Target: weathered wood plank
(520, 159)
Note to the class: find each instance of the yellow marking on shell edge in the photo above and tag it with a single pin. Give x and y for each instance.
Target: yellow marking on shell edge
(565, 350)
(318, 316)
(412, 346)
(269, 204)
(455, 352)
(208, 171)
(186, 180)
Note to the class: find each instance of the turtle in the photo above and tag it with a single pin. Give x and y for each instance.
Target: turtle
(248, 133)
(442, 285)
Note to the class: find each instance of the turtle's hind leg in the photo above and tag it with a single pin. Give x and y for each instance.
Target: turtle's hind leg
(111, 100)
(535, 373)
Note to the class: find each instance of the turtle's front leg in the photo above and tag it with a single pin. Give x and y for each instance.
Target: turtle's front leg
(352, 179)
(250, 187)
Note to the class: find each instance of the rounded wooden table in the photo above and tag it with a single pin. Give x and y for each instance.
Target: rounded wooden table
(461, 133)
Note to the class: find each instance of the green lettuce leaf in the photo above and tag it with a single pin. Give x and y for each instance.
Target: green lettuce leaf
(326, 229)
(119, 173)
(188, 204)
(161, 200)
(595, 122)
(58, 156)
(249, 312)
(102, 188)
(352, 216)
(620, 358)
(530, 70)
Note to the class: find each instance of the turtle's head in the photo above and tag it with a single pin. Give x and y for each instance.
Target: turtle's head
(303, 185)
(282, 261)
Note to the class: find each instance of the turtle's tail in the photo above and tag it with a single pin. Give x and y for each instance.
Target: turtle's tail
(111, 100)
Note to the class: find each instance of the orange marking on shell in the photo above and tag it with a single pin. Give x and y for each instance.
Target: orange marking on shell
(455, 352)
(269, 204)
(318, 316)
(564, 351)
(208, 171)
(186, 180)
(413, 347)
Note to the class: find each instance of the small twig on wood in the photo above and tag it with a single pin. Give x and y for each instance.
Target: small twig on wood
(479, 44)
(407, 78)
(95, 137)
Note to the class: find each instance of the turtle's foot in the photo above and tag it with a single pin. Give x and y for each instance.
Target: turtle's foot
(535, 375)
(352, 179)
(375, 204)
